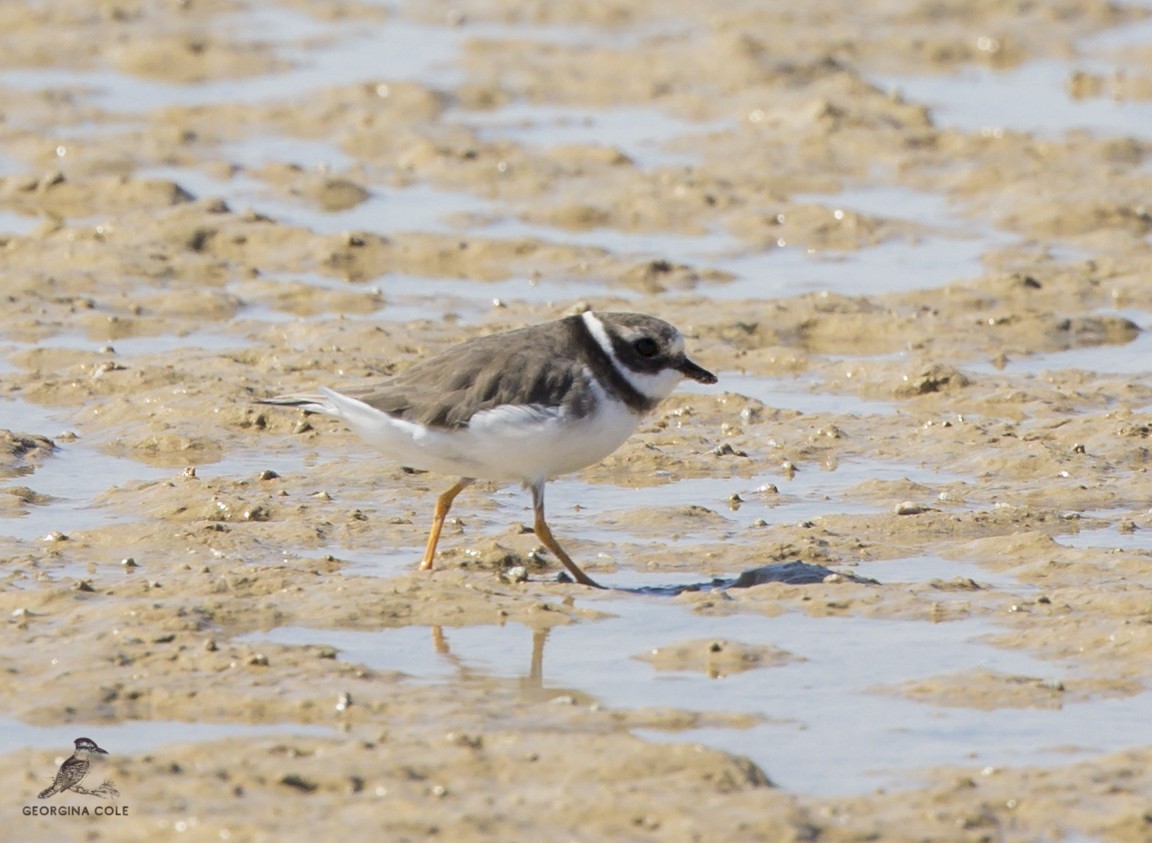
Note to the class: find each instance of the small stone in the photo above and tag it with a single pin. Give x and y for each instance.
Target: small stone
(107, 366)
(465, 739)
(268, 474)
(910, 508)
(515, 574)
(298, 782)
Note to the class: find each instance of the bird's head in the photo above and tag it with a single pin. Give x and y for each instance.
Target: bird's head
(89, 745)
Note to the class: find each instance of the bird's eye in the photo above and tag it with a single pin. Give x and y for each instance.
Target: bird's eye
(646, 347)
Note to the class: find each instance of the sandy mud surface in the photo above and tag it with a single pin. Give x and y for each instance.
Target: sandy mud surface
(930, 330)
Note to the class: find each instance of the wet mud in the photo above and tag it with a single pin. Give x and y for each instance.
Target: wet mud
(885, 581)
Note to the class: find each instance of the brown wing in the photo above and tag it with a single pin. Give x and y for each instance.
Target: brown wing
(528, 366)
(71, 772)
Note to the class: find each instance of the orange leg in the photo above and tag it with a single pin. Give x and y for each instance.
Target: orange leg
(443, 504)
(544, 533)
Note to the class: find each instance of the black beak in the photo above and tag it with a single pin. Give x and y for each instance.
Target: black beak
(98, 749)
(690, 370)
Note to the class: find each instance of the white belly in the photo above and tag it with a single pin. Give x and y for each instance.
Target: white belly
(507, 443)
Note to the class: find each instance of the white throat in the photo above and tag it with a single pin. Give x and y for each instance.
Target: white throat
(655, 387)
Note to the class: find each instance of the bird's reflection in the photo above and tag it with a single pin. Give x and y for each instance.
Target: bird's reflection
(533, 680)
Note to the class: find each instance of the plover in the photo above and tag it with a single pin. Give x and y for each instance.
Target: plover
(521, 406)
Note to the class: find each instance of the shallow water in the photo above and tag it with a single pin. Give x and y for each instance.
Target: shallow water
(1130, 358)
(138, 735)
(638, 133)
(801, 393)
(1109, 538)
(827, 730)
(1031, 98)
(77, 472)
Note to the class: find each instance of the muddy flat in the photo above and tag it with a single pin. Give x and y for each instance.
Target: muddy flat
(887, 580)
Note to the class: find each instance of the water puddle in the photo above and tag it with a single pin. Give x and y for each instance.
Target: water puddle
(1108, 538)
(18, 224)
(1035, 96)
(1131, 358)
(640, 133)
(410, 298)
(319, 54)
(950, 248)
(212, 341)
(386, 210)
(800, 393)
(894, 203)
(894, 265)
(77, 473)
(258, 151)
(72, 476)
(380, 561)
(923, 569)
(821, 711)
(139, 735)
(808, 494)
(617, 517)
(1031, 98)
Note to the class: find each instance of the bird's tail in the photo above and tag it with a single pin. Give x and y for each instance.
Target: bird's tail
(49, 791)
(308, 402)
